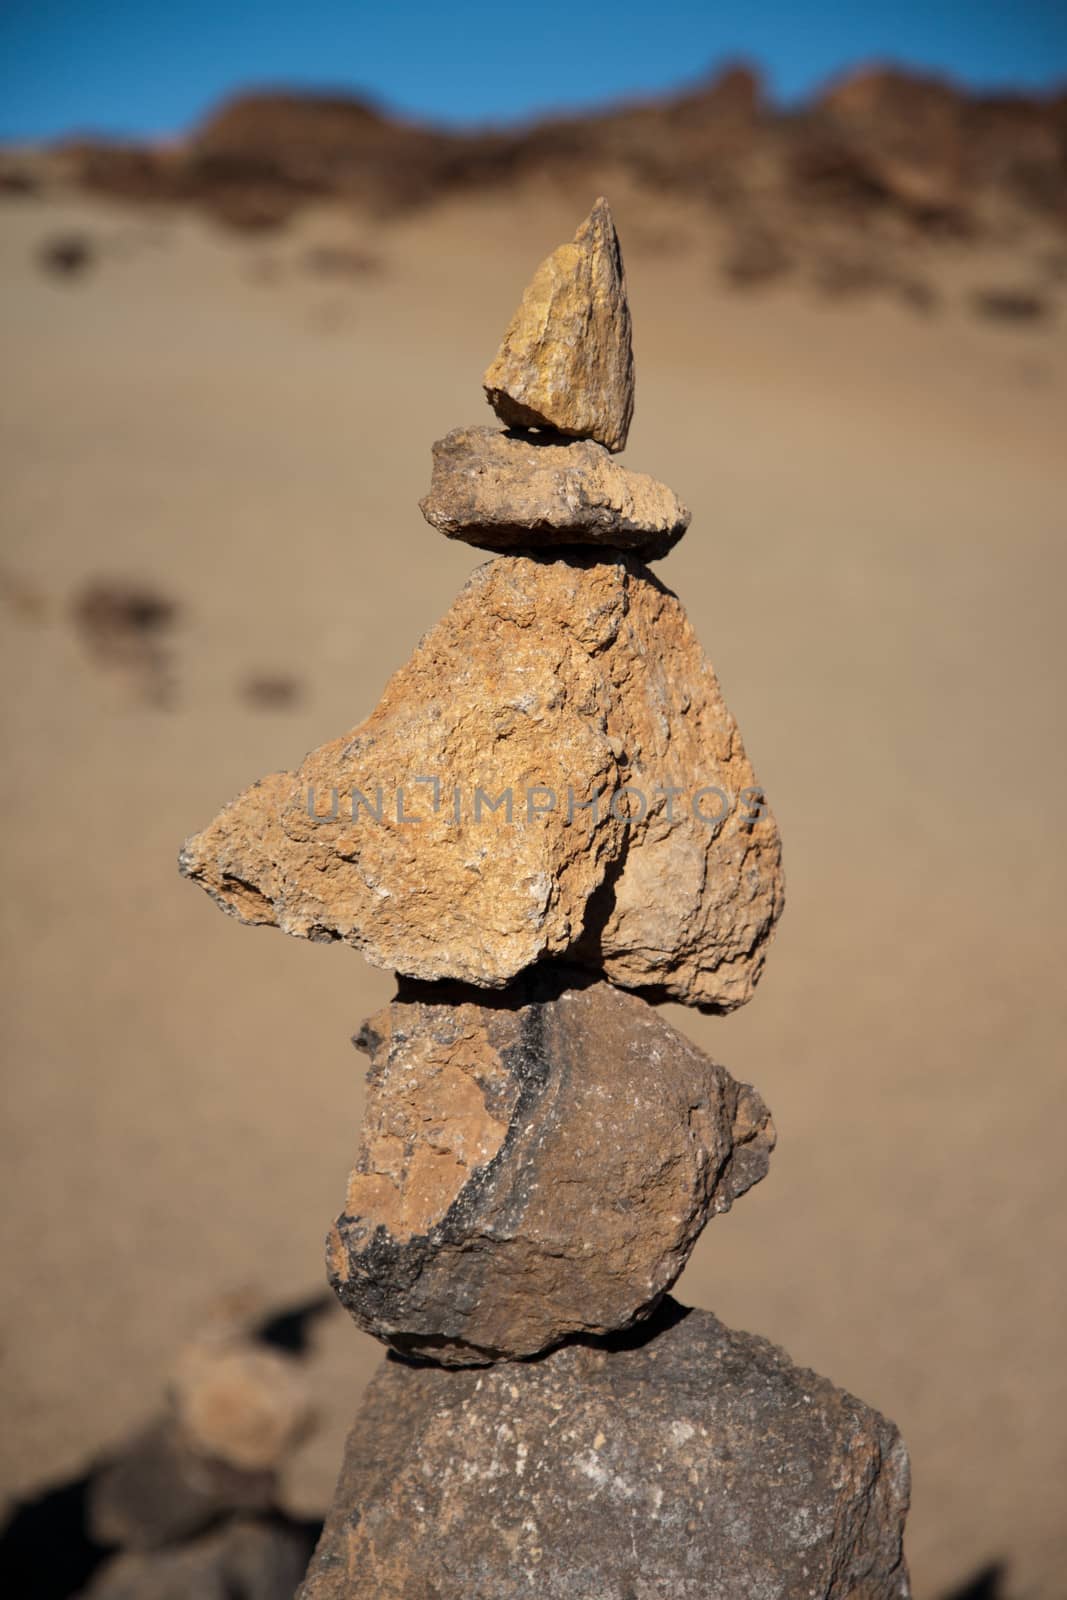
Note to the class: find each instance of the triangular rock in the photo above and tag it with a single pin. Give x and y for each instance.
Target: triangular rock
(546, 688)
(566, 361)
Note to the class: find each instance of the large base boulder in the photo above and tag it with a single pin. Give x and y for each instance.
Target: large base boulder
(696, 1464)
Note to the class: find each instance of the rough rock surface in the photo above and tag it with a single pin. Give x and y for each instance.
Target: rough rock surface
(552, 680)
(502, 491)
(533, 1169)
(699, 1464)
(566, 360)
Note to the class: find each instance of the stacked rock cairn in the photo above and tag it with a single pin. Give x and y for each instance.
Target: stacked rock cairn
(547, 826)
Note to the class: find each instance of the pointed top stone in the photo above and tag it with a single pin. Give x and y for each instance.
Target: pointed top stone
(566, 360)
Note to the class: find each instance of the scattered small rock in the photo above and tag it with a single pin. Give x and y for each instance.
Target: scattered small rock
(240, 1403)
(113, 608)
(272, 691)
(845, 274)
(124, 626)
(261, 1559)
(756, 256)
(157, 1489)
(68, 255)
(1011, 305)
(838, 276)
(342, 261)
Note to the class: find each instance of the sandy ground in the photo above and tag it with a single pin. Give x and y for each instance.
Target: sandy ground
(876, 566)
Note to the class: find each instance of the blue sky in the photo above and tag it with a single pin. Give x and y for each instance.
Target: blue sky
(135, 67)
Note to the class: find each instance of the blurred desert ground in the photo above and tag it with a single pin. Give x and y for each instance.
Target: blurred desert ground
(876, 567)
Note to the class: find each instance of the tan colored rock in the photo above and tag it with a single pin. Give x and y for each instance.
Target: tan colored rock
(552, 680)
(533, 1169)
(240, 1402)
(695, 1464)
(566, 361)
(503, 491)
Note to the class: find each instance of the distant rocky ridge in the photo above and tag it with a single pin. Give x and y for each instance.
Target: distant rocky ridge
(885, 149)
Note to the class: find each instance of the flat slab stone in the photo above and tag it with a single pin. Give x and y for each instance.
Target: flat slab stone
(699, 1464)
(503, 491)
(534, 1168)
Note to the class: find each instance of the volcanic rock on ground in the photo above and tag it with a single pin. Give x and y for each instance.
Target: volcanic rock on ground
(533, 1169)
(501, 491)
(575, 697)
(697, 1464)
(566, 360)
(159, 1489)
(245, 1560)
